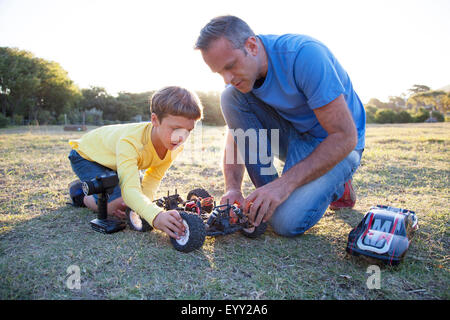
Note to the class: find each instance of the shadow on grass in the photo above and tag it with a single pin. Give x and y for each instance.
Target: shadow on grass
(394, 177)
(35, 256)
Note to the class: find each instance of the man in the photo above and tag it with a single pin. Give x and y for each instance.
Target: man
(293, 86)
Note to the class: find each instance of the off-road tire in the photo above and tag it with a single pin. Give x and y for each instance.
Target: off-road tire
(144, 225)
(202, 193)
(194, 235)
(259, 230)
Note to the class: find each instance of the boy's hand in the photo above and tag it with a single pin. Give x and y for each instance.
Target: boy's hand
(119, 214)
(170, 222)
(117, 209)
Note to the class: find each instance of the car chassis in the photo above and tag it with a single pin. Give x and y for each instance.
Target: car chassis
(201, 217)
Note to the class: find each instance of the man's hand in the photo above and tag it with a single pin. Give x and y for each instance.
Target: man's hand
(171, 223)
(262, 202)
(232, 196)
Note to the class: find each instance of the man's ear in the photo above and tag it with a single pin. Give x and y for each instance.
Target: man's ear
(154, 119)
(251, 45)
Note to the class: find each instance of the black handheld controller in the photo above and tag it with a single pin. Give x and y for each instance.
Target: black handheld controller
(103, 186)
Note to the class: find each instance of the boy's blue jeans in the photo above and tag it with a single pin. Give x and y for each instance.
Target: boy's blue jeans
(307, 204)
(88, 170)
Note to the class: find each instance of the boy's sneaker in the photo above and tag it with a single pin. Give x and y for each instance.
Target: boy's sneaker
(347, 201)
(76, 193)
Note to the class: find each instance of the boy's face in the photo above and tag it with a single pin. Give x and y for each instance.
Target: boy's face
(172, 130)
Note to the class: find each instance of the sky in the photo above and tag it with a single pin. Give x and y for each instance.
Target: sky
(385, 46)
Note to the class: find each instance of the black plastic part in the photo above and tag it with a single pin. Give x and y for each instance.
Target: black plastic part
(197, 233)
(107, 226)
(201, 193)
(102, 205)
(389, 260)
(214, 232)
(170, 202)
(259, 230)
(103, 186)
(145, 225)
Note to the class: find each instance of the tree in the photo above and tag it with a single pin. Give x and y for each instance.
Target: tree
(18, 80)
(385, 116)
(29, 85)
(403, 116)
(396, 101)
(377, 103)
(421, 115)
(212, 114)
(417, 88)
(438, 100)
(94, 98)
(371, 110)
(56, 92)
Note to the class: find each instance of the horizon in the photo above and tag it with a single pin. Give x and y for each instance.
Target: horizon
(122, 49)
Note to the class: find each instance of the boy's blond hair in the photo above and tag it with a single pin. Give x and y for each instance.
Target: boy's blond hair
(176, 101)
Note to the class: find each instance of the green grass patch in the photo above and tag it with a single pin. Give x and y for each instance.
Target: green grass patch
(41, 236)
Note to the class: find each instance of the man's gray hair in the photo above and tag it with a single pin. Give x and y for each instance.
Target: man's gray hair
(232, 28)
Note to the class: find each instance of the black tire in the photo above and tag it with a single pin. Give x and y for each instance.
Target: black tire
(136, 223)
(201, 193)
(195, 233)
(259, 230)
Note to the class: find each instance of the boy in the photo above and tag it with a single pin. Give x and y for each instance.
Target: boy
(128, 148)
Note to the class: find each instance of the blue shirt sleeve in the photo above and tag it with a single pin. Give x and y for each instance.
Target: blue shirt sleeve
(316, 75)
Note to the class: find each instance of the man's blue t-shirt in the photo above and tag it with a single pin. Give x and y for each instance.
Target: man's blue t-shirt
(304, 75)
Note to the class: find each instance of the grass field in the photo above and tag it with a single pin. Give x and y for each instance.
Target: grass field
(41, 236)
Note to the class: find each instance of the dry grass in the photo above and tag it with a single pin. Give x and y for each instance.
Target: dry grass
(40, 236)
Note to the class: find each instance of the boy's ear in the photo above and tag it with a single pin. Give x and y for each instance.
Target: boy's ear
(154, 119)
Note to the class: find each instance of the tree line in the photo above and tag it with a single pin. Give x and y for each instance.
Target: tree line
(36, 91)
(419, 104)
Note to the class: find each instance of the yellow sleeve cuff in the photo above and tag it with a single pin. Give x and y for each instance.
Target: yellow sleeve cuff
(150, 213)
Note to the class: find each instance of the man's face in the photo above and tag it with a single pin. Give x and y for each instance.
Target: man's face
(173, 130)
(238, 67)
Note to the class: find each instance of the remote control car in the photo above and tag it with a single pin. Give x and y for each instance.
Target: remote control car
(384, 233)
(201, 217)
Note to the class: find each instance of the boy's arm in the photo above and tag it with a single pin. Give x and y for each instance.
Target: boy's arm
(154, 175)
(127, 157)
(152, 179)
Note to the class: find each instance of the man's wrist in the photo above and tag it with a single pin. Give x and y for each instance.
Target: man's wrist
(238, 190)
(288, 183)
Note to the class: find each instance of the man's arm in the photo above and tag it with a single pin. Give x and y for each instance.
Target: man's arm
(336, 119)
(233, 171)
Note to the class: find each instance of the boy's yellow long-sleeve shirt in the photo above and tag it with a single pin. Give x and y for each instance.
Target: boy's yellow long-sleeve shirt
(128, 148)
